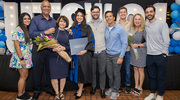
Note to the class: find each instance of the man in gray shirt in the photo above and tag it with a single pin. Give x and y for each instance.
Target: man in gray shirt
(157, 50)
(99, 58)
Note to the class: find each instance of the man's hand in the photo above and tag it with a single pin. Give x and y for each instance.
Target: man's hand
(120, 60)
(50, 31)
(82, 52)
(70, 31)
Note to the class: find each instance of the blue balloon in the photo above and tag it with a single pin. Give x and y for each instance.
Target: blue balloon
(177, 49)
(175, 25)
(2, 14)
(179, 9)
(3, 37)
(1, 8)
(174, 6)
(175, 14)
(2, 44)
(171, 49)
(173, 20)
(178, 20)
(173, 42)
(4, 48)
(2, 32)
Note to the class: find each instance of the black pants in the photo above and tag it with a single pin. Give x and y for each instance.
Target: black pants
(156, 66)
(41, 74)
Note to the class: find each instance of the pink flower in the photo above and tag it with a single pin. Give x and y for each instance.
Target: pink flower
(50, 36)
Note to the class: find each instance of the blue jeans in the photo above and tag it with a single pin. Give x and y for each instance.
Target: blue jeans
(156, 66)
(127, 68)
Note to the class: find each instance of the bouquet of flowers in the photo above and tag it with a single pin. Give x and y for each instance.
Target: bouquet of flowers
(44, 41)
(130, 41)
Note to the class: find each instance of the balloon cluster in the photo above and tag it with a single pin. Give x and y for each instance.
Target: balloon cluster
(3, 38)
(175, 28)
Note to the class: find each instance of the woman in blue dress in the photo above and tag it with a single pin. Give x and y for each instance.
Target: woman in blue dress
(83, 60)
(21, 57)
(58, 66)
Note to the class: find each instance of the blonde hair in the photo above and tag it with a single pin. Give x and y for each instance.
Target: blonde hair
(142, 22)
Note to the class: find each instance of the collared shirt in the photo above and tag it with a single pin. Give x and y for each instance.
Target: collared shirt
(99, 34)
(39, 24)
(126, 26)
(116, 40)
(96, 23)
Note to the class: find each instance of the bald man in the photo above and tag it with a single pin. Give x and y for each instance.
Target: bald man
(43, 24)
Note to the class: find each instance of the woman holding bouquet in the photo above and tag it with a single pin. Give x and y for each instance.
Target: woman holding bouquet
(83, 60)
(58, 66)
(21, 58)
(138, 59)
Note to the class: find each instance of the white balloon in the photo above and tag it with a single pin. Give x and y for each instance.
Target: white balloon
(176, 35)
(2, 51)
(178, 2)
(2, 25)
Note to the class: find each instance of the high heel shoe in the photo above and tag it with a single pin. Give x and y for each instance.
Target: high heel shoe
(78, 97)
(75, 94)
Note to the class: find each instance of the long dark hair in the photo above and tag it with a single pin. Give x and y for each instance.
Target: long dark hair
(83, 23)
(25, 29)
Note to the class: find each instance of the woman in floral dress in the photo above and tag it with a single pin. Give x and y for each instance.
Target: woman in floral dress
(21, 58)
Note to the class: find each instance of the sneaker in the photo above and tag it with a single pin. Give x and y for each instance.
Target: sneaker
(27, 94)
(128, 89)
(109, 91)
(120, 90)
(151, 96)
(23, 97)
(114, 95)
(159, 97)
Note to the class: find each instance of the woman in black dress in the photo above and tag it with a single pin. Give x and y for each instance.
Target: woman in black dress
(58, 66)
(83, 60)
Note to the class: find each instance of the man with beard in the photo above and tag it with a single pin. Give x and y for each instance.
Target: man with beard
(43, 24)
(116, 43)
(99, 58)
(157, 50)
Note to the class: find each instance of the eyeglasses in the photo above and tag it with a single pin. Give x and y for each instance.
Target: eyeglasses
(95, 12)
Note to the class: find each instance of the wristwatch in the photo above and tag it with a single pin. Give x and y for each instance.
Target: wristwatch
(138, 46)
(22, 58)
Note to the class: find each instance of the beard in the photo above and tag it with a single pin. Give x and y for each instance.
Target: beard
(150, 18)
(95, 18)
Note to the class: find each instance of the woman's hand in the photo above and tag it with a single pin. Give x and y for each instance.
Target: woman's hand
(70, 31)
(82, 52)
(133, 46)
(23, 63)
(59, 48)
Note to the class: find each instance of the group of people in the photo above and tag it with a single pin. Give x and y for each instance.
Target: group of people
(106, 50)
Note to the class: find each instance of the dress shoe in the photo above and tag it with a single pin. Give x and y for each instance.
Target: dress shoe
(93, 91)
(102, 93)
(51, 92)
(35, 96)
(78, 97)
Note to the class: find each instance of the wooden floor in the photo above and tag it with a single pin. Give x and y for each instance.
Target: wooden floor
(169, 95)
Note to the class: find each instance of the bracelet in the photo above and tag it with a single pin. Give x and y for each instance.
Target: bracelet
(22, 58)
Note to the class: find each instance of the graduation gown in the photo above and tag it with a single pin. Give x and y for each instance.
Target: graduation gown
(82, 72)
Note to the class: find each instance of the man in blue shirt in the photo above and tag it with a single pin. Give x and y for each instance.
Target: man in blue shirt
(116, 43)
(43, 24)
